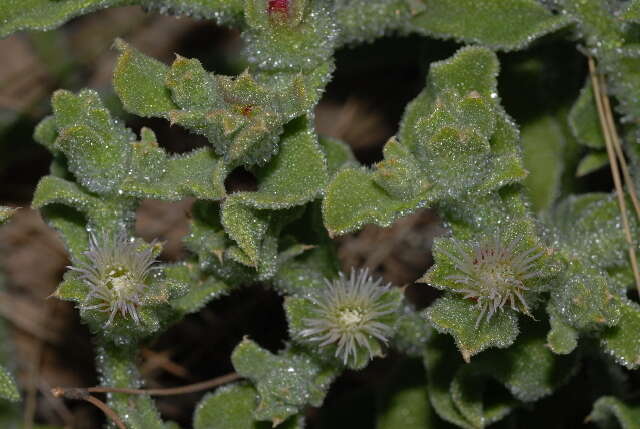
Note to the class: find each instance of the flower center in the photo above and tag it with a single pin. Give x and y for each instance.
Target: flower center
(350, 317)
(497, 276)
(119, 279)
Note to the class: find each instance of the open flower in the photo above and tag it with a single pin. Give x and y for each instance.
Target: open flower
(116, 270)
(494, 273)
(355, 315)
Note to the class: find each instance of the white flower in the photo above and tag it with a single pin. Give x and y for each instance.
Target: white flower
(352, 314)
(116, 270)
(494, 273)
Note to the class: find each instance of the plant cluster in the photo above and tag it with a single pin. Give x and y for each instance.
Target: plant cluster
(537, 280)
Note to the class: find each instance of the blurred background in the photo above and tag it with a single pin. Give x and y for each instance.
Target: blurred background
(362, 106)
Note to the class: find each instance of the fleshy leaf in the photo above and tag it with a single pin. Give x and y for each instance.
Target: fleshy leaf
(354, 199)
(139, 81)
(528, 369)
(592, 162)
(242, 118)
(584, 120)
(117, 368)
(296, 175)
(230, 407)
(106, 159)
(458, 132)
(199, 174)
(622, 341)
(8, 387)
(542, 152)
(403, 401)
(337, 153)
(454, 140)
(457, 316)
(562, 339)
(103, 214)
(202, 289)
(609, 412)
(442, 362)
(467, 392)
(583, 300)
(589, 226)
(297, 35)
(245, 225)
(45, 14)
(285, 382)
(492, 23)
(6, 213)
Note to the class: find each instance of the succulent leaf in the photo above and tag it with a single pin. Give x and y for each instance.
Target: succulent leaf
(610, 411)
(285, 382)
(491, 23)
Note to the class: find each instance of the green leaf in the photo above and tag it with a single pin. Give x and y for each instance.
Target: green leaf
(8, 387)
(399, 174)
(71, 289)
(622, 341)
(245, 225)
(455, 140)
(242, 118)
(300, 39)
(411, 333)
(202, 289)
(139, 81)
(609, 412)
(230, 407)
(632, 11)
(609, 39)
(589, 226)
(582, 299)
(6, 213)
(286, 382)
(96, 146)
(528, 369)
(365, 20)
(492, 23)
(46, 14)
(592, 162)
(542, 152)
(457, 316)
(403, 401)
(117, 368)
(46, 133)
(106, 159)
(199, 174)
(337, 153)
(308, 272)
(52, 193)
(354, 199)
(296, 175)
(442, 362)
(462, 138)
(467, 391)
(584, 120)
(562, 339)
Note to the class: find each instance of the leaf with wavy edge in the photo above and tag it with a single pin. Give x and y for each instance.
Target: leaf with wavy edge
(47, 14)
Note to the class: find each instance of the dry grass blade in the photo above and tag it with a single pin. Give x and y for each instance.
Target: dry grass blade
(610, 135)
(81, 392)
